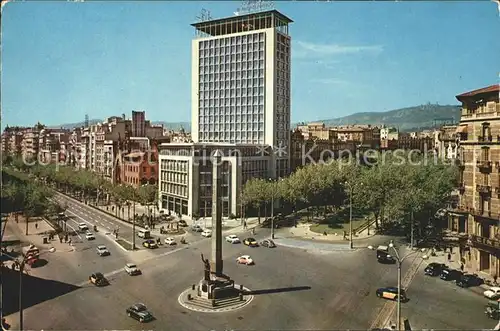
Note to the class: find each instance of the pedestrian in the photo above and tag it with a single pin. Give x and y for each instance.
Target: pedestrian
(60, 239)
(462, 267)
(449, 257)
(69, 241)
(495, 277)
(36, 225)
(244, 224)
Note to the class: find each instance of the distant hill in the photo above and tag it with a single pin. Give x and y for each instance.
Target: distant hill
(406, 119)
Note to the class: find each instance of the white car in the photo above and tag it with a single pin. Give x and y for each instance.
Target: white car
(83, 227)
(233, 239)
(132, 269)
(493, 293)
(245, 259)
(170, 241)
(102, 250)
(207, 233)
(89, 236)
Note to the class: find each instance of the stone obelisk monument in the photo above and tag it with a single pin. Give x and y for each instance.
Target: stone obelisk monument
(217, 264)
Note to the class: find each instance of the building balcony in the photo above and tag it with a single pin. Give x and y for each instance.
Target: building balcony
(485, 139)
(497, 191)
(483, 165)
(479, 240)
(483, 189)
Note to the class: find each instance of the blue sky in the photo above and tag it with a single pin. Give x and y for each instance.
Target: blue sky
(62, 60)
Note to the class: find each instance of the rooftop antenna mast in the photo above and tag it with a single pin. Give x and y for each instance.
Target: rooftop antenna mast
(204, 15)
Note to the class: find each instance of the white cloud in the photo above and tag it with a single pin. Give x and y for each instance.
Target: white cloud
(307, 49)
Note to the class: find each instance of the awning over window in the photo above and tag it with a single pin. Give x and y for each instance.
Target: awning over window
(462, 129)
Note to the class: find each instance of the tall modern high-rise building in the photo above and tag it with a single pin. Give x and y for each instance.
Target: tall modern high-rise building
(240, 106)
(241, 82)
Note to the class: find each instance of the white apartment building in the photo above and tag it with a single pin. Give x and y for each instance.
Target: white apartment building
(240, 101)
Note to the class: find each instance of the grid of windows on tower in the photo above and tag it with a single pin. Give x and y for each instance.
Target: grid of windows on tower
(231, 89)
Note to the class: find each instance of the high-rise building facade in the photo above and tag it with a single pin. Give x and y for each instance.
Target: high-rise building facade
(240, 107)
(241, 82)
(138, 123)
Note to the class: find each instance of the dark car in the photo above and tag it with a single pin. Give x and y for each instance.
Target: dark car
(182, 223)
(196, 228)
(493, 309)
(140, 312)
(469, 280)
(434, 269)
(268, 243)
(150, 243)
(390, 293)
(383, 255)
(450, 274)
(98, 279)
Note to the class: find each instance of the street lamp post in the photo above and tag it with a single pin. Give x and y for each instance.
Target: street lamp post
(400, 261)
(351, 245)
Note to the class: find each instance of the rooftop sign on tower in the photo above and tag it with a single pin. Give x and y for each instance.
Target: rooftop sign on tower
(253, 6)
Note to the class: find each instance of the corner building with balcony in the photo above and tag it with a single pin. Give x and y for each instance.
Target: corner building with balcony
(476, 219)
(240, 104)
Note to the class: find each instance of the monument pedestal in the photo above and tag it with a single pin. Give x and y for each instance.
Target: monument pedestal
(217, 288)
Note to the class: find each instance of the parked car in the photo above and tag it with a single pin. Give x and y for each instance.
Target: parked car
(89, 236)
(102, 251)
(493, 309)
(469, 280)
(98, 279)
(196, 228)
(182, 223)
(493, 293)
(140, 312)
(132, 269)
(390, 293)
(245, 259)
(383, 255)
(170, 241)
(434, 269)
(450, 274)
(268, 243)
(233, 239)
(150, 243)
(83, 227)
(251, 242)
(207, 233)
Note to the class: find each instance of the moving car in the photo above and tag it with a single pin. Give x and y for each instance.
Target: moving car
(207, 233)
(250, 242)
(150, 243)
(196, 228)
(245, 259)
(89, 236)
(143, 233)
(469, 280)
(170, 241)
(383, 255)
(233, 239)
(132, 269)
(140, 312)
(434, 269)
(450, 274)
(268, 243)
(493, 293)
(390, 293)
(102, 251)
(83, 227)
(98, 279)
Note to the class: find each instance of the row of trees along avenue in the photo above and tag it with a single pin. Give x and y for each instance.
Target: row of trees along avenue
(395, 189)
(88, 187)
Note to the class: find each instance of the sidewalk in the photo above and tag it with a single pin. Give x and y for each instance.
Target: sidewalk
(38, 228)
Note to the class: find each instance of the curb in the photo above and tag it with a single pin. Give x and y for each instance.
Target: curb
(219, 310)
